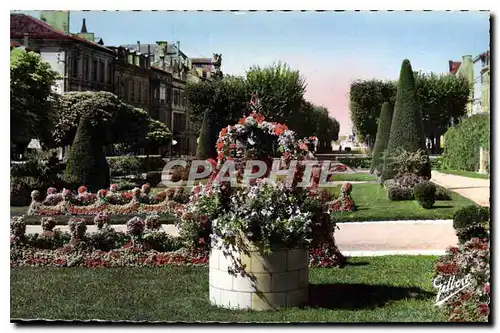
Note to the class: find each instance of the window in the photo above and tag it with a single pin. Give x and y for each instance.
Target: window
(162, 94)
(86, 69)
(101, 71)
(94, 70)
(74, 67)
(176, 97)
(139, 92)
(146, 96)
(110, 73)
(132, 90)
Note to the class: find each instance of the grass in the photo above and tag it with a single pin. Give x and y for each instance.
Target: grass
(354, 177)
(470, 174)
(377, 289)
(373, 205)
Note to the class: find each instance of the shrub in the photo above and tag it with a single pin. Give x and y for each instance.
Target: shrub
(123, 185)
(17, 226)
(20, 189)
(407, 131)
(442, 193)
(383, 131)
(425, 193)
(397, 192)
(470, 304)
(49, 239)
(86, 162)
(152, 222)
(135, 226)
(77, 227)
(356, 162)
(161, 241)
(402, 162)
(153, 178)
(48, 223)
(107, 239)
(124, 166)
(101, 220)
(471, 221)
(463, 141)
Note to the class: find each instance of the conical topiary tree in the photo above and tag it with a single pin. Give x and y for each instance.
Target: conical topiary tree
(382, 139)
(206, 144)
(86, 164)
(407, 130)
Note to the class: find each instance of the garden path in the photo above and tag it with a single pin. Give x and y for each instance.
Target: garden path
(418, 237)
(475, 189)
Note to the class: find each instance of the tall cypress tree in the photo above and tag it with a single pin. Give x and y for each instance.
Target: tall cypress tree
(86, 164)
(206, 145)
(407, 130)
(382, 139)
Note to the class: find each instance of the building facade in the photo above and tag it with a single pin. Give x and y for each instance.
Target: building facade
(477, 72)
(83, 65)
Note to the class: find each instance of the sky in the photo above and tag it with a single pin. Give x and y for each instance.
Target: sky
(330, 49)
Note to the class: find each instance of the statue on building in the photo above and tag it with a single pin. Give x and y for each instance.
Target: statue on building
(217, 62)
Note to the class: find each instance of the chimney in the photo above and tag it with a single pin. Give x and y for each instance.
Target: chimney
(26, 40)
(149, 55)
(138, 46)
(84, 27)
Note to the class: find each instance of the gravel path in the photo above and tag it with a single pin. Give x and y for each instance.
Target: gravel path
(413, 236)
(475, 189)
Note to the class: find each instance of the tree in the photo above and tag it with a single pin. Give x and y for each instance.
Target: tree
(86, 164)
(365, 102)
(407, 131)
(123, 123)
(32, 100)
(158, 135)
(280, 90)
(206, 145)
(383, 132)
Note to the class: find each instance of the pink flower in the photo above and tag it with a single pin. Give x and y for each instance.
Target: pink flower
(483, 309)
(113, 187)
(82, 189)
(487, 288)
(51, 190)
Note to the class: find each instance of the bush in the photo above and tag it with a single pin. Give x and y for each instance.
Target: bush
(442, 193)
(383, 131)
(153, 178)
(49, 239)
(47, 223)
(20, 190)
(425, 193)
(17, 226)
(86, 162)
(402, 162)
(463, 141)
(124, 185)
(407, 130)
(124, 166)
(356, 162)
(471, 221)
(473, 259)
(107, 239)
(161, 241)
(206, 146)
(396, 192)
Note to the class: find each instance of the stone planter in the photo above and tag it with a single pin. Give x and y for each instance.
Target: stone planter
(273, 281)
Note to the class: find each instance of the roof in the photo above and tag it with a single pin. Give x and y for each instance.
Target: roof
(21, 24)
(454, 66)
(207, 61)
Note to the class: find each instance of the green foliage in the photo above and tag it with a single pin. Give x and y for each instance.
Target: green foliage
(441, 98)
(280, 90)
(383, 132)
(206, 146)
(425, 193)
(407, 131)
(124, 166)
(356, 162)
(153, 178)
(365, 103)
(471, 221)
(315, 120)
(32, 100)
(463, 142)
(86, 164)
(122, 123)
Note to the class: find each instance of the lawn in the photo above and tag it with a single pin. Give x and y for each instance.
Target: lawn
(376, 289)
(353, 177)
(373, 205)
(470, 174)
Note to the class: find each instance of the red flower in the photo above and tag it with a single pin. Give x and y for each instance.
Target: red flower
(483, 309)
(201, 240)
(82, 189)
(487, 288)
(128, 245)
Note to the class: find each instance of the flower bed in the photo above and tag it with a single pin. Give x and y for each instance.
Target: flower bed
(137, 201)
